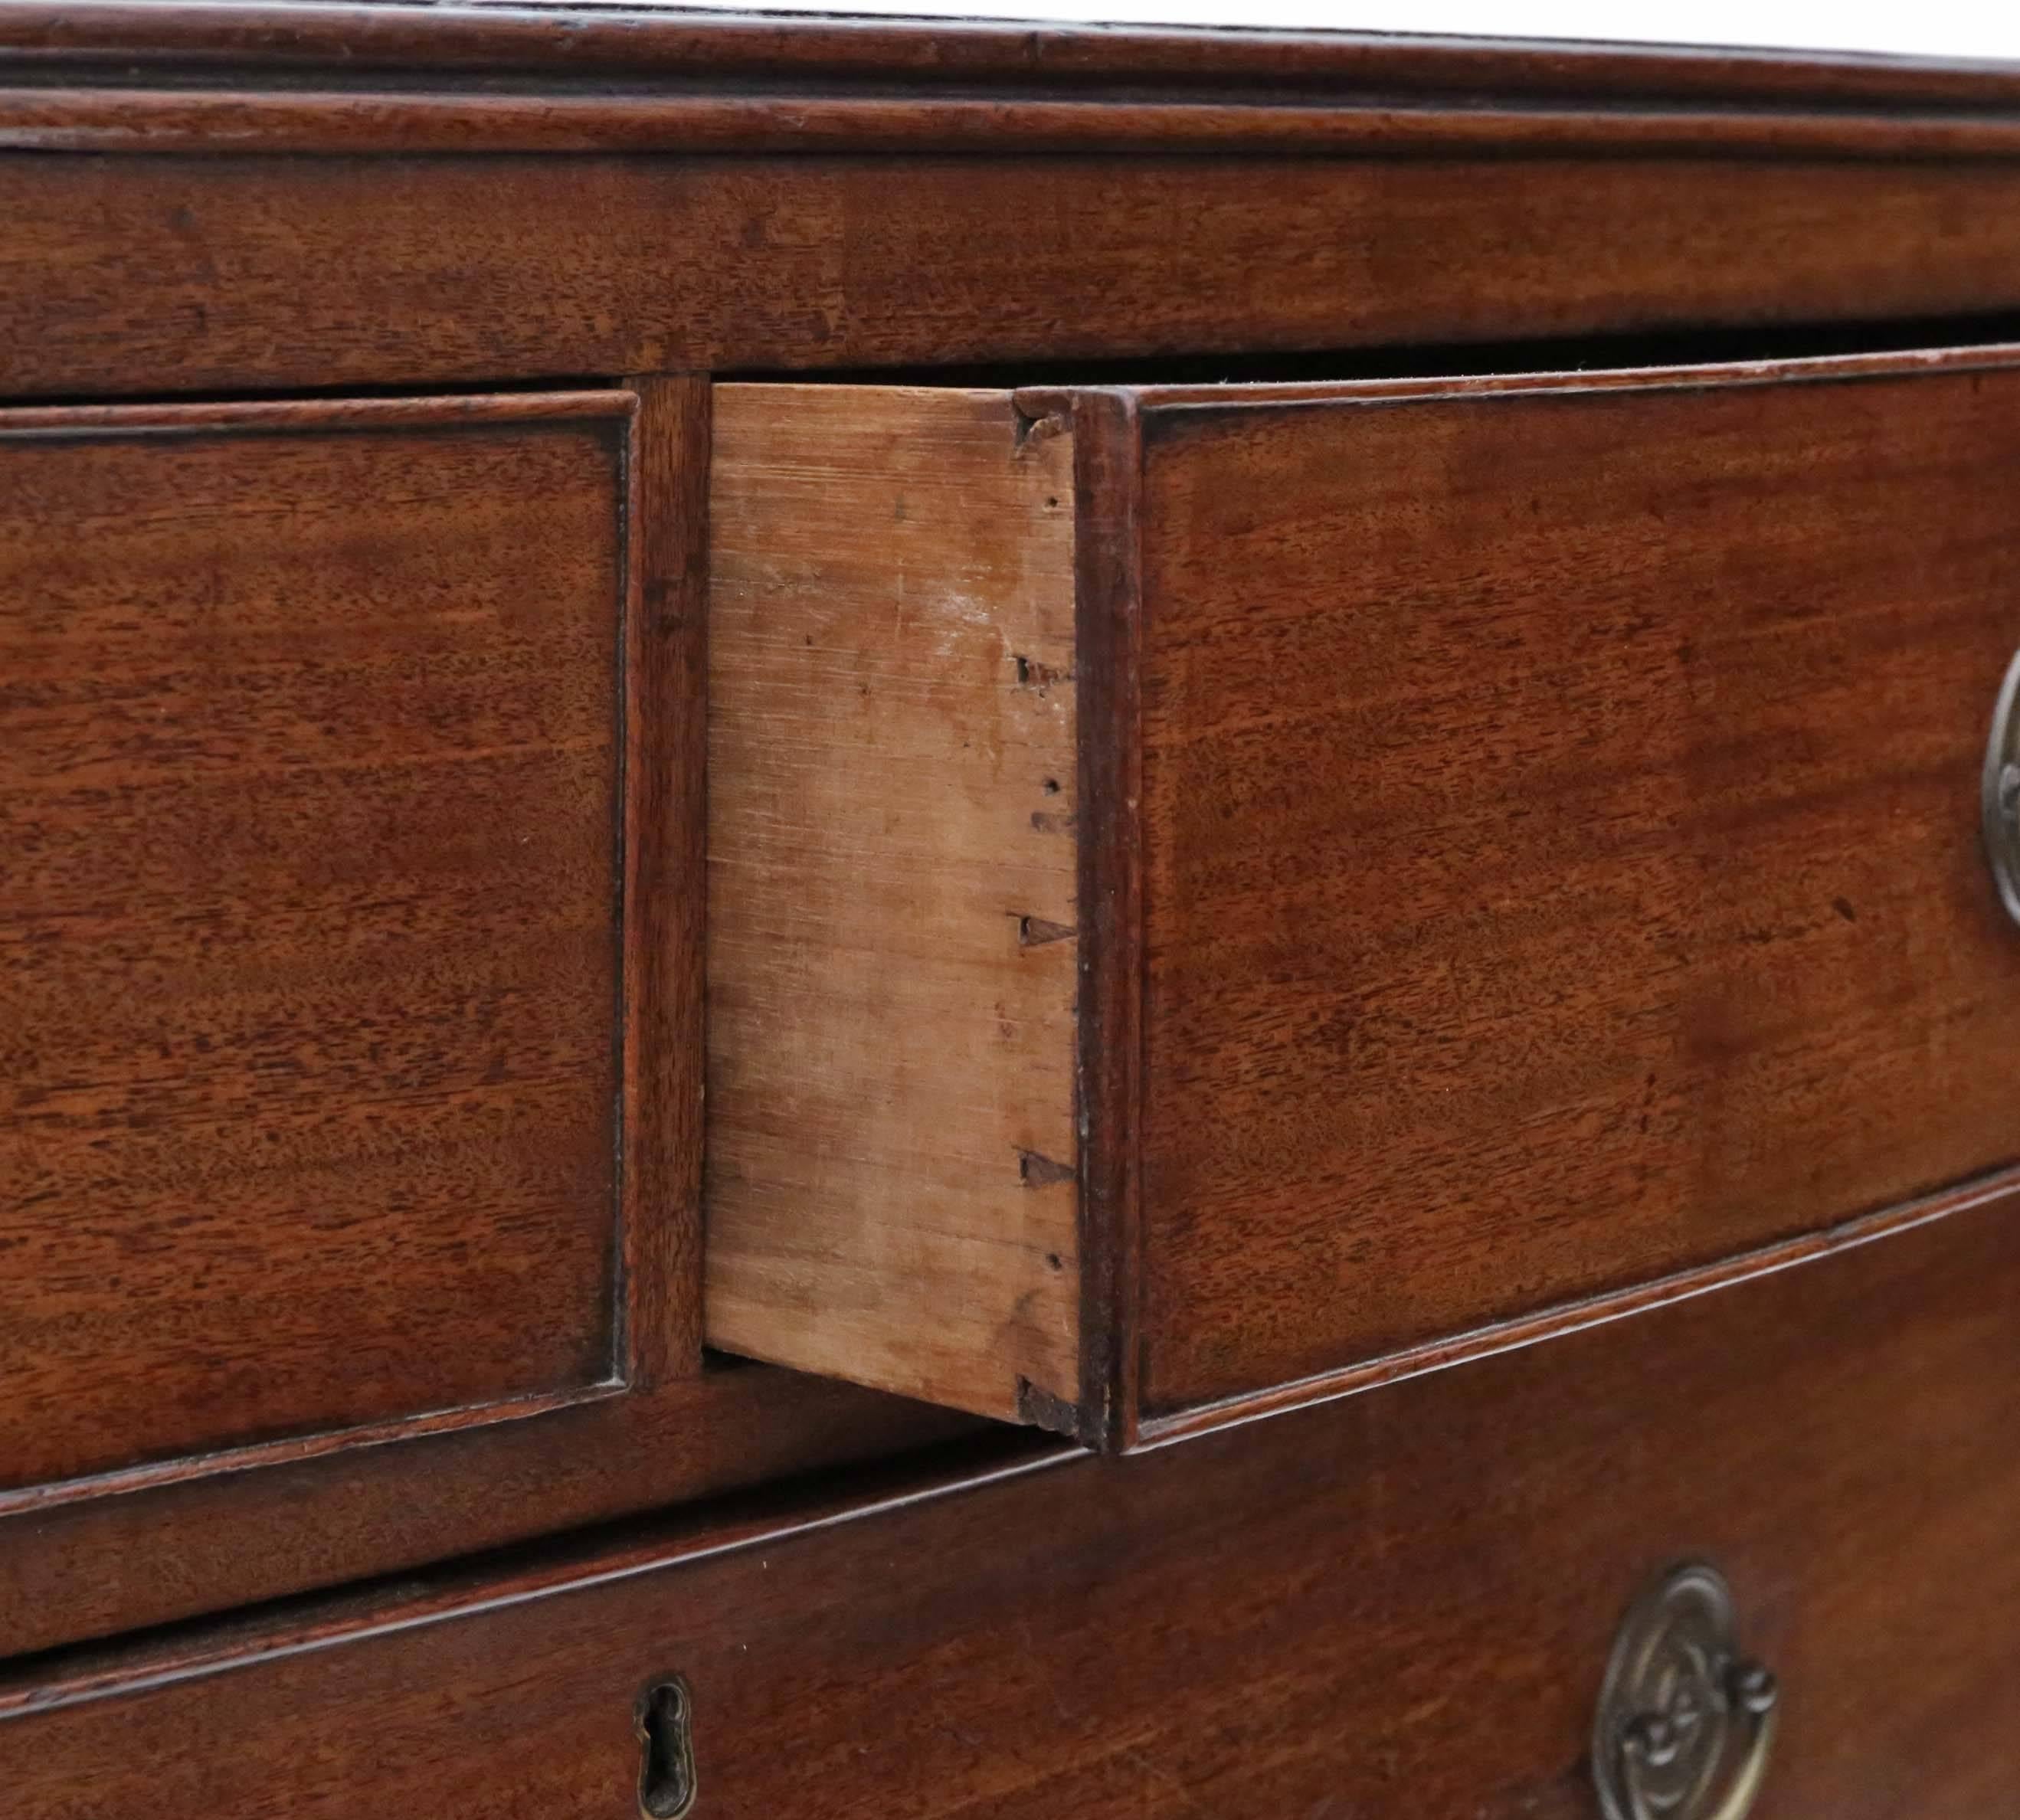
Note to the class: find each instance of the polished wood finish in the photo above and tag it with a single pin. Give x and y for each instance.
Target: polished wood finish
(1561, 871)
(308, 762)
(650, 44)
(314, 1518)
(1523, 878)
(665, 854)
(1709, 1335)
(891, 974)
(181, 119)
(352, 77)
(385, 640)
(1108, 579)
(279, 272)
(1399, 1602)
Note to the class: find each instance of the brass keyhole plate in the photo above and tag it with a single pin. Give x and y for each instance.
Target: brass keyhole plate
(664, 1722)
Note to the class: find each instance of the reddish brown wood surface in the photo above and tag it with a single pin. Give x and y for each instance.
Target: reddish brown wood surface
(332, 587)
(350, 78)
(1457, 963)
(227, 119)
(1559, 820)
(95, 1566)
(308, 771)
(666, 850)
(233, 270)
(1108, 456)
(287, 40)
(1396, 1603)
(282, 272)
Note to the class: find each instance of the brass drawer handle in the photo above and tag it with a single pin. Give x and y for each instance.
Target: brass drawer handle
(1685, 1722)
(1999, 793)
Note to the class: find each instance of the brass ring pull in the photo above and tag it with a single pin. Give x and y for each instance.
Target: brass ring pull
(1686, 1723)
(1998, 793)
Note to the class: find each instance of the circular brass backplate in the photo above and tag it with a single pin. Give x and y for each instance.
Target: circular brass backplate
(1685, 1723)
(1998, 793)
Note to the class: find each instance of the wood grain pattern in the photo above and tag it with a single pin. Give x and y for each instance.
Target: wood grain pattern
(285, 40)
(1398, 1603)
(1521, 886)
(380, 36)
(666, 852)
(1108, 1058)
(1244, 1622)
(436, 580)
(351, 78)
(97, 1566)
(892, 1149)
(276, 272)
(129, 119)
(310, 795)
(1562, 869)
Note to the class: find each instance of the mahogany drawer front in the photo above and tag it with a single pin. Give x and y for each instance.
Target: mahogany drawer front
(1217, 893)
(1401, 1601)
(310, 762)
(350, 756)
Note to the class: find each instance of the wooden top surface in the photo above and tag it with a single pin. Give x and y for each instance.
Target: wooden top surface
(312, 76)
(644, 40)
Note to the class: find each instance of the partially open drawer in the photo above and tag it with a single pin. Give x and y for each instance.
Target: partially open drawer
(1219, 894)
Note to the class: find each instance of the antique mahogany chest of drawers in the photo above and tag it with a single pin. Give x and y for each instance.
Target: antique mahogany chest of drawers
(923, 921)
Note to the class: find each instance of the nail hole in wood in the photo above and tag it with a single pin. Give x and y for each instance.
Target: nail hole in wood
(1037, 932)
(1037, 1172)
